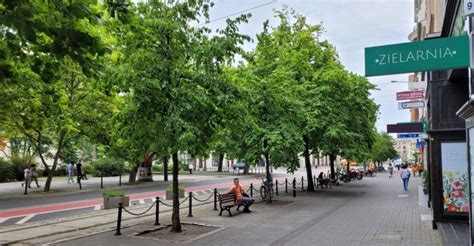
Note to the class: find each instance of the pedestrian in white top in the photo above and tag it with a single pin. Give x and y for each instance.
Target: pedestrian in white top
(405, 175)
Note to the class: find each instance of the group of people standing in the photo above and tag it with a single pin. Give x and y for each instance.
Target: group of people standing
(30, 175)
(70, 172)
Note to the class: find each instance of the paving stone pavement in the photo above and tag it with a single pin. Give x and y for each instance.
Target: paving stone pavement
(373, 211)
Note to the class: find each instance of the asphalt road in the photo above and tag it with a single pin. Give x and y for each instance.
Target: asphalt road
(24, 210)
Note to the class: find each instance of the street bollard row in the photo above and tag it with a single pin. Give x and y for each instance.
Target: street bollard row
(191, 196)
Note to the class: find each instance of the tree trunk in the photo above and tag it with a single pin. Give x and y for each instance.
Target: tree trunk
(165, 168)
(332, 158)
(267, 171)
(49, 179)
(221, 161)
(175, 217)
(133, 173)
(309, 173)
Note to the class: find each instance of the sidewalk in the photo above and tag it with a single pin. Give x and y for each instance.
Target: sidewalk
(373, 211)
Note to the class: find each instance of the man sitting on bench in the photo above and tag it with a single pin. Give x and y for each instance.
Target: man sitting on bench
(241, 196)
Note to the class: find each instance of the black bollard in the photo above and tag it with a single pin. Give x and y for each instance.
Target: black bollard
(190, 196)
(286, 185)
(26, 187)
(302, 183)
(101, 179)
(294, 187)
(157, 211)
(215, 199)
(314, 180)
(251, 190)
(120, 179)
(276, 187)
(119, 220)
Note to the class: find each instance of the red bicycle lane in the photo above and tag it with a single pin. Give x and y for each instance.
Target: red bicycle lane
(58, 207)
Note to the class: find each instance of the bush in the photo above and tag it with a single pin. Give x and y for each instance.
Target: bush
(113, 193)
(89, 169)
(6, 171)
(170, 187)
(19, 163)
(109, 167)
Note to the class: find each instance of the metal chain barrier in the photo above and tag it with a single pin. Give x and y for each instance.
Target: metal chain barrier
(204, 200)
(185, 199)
(140, 214)
(168, 205)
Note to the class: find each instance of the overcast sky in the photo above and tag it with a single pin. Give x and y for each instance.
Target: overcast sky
(351, 25)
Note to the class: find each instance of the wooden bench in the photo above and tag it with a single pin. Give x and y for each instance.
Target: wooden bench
(227, 201)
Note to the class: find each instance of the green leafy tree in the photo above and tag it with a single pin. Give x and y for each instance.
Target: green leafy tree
(169, 72)
(383, 148)
(53, 52)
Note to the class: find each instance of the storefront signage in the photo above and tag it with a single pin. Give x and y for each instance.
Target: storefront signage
(409, 105)
(408, 135)
(406, 127)
(435, 54)
(407, 95)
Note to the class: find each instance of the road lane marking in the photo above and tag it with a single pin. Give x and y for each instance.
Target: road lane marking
(98, 207)
(3, 220)
(24, 220)
(402, 195)
(141, 201)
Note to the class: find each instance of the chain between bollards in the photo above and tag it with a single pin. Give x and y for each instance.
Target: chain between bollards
(190, 214)
(157, 211)
(119, 220)
(294, 187)
(215, 199)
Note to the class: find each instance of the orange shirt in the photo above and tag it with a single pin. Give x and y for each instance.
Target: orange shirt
(238, 191)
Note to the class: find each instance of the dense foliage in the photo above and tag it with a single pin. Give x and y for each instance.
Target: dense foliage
(136, 82)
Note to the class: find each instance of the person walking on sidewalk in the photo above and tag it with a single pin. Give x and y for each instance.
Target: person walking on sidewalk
(33, 176)
(405, 175)
(70, 172)
(390, 170)
(27, 177)
(190, 167)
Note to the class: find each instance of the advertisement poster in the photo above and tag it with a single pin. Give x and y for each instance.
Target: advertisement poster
(455, 177)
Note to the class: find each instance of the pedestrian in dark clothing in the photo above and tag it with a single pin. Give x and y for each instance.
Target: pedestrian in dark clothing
(79, 171)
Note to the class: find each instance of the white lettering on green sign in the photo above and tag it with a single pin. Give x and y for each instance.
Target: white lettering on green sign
(434, 54)
(414, 56)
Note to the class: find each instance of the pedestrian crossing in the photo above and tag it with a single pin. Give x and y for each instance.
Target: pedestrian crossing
(21, 220)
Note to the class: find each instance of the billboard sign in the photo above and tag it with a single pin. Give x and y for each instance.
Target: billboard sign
(408, 95)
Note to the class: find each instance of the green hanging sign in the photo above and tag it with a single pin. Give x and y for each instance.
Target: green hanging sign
(434, 54)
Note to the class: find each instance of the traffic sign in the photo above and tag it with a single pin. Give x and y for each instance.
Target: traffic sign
(413, 104)
(407, 95)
